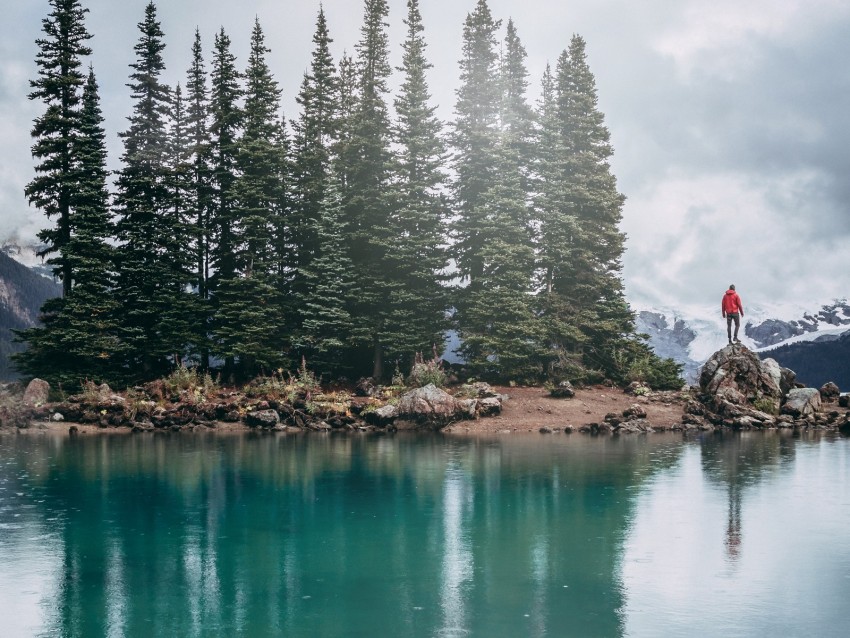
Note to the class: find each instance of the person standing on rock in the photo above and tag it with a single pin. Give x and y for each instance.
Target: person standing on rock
(732, 310)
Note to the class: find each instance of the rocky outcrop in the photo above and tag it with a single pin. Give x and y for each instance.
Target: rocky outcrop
(741, 392)
(802, 402)
(734, 376)
(428, 406)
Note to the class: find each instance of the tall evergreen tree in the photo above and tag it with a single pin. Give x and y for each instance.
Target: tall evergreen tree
(79, 337)
(200, 193)
(58, 85)
(151, 275)
(497, 320)
(225, 127)
(474, 138)
(314, 138)
(417, 257)
(326, 323)
(365, 201)
(580, 242)
(250, 307)
(516, 118)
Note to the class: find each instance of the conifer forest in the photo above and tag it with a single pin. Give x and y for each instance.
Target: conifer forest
(354, 236)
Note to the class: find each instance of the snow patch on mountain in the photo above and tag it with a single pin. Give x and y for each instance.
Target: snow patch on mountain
(690, 334)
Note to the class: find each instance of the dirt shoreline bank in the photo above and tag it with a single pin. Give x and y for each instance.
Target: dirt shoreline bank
(526, 409)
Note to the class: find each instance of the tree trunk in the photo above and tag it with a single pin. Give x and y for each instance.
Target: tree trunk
(378, 361)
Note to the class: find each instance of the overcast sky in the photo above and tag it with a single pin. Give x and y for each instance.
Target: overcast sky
(729, 119)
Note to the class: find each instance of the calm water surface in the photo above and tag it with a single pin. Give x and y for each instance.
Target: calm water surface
(249, 535)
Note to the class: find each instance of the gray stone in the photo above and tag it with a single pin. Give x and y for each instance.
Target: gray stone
(428, 405)
(738, 368)
(635, 426)
(57, 417)
(468, 408)
(829, 392)
(485, 391)
(802, 402)
(381, 417)
(564, 390)
(788, 381)
(634, 411)
(490, 406)
(36, 393)
(772, 368)
(263, 418)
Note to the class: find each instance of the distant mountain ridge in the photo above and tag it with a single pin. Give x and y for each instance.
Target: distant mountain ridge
(812, 343)
(22, 292)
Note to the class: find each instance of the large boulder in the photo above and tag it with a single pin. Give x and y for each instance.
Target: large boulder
(564, 390)
(428, 406)
(802, 402)
(829, 392)
(263, 419)
(735, 375)
(36, 393)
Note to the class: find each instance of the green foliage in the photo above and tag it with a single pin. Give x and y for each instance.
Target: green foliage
(192, 380)
(284, 386)
(334, 244)
(767, 405)
(631, 359)
(59, 87)
(424, 372)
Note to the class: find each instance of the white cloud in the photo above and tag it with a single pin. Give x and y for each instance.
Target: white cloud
(689, 236)
(725, 37)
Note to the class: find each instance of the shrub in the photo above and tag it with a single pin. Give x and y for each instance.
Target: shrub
(424, 372)
(767, 405)
(190, 381)
(657, 373)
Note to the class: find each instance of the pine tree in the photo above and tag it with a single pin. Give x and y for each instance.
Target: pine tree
(314, 138)
(496, 317)
(250, 311)
(151, 275)
(79, 337)
(580, 242)
(200, 193)
(417, 259)
(516, 118)
(474, 139)
(225, 127)
(59, 84)
(365, 202)
(326, 323)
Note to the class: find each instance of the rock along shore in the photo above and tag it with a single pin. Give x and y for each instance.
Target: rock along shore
(736, 392)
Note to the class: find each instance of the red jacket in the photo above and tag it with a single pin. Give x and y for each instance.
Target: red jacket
(731, 303)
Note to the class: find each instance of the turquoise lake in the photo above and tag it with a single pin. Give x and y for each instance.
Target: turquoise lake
(424, 535)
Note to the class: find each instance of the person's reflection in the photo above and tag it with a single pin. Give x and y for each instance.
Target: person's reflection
(740, 461)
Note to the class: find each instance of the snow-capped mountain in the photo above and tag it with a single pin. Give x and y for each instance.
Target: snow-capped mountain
(690, 335)
(26, 254)
(22, 292)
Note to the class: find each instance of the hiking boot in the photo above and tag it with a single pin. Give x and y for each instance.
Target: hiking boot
(737, 340)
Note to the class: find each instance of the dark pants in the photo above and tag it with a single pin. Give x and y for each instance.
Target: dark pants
(730, 317)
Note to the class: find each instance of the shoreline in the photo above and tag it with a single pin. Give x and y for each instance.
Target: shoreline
(524, 410)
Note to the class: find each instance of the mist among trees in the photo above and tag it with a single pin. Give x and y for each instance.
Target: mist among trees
(355, 235)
